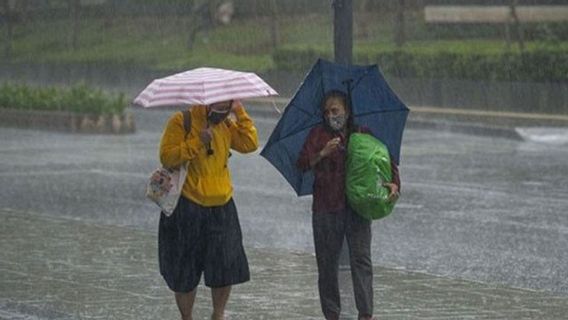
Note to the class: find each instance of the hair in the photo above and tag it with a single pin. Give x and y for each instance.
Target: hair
(334, 94)
(341, 96)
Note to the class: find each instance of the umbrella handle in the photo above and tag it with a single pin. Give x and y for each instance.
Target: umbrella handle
(276, 107)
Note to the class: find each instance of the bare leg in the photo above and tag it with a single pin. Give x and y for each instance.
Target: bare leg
(185, 303)
(220, 297)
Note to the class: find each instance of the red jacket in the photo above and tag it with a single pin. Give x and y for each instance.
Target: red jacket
(329, 185)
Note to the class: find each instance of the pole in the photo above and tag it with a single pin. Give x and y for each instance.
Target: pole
(343, 49)
(343, 31)
(8, 21)
(399, 33)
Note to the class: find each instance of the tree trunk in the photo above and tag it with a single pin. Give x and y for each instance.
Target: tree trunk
(74, 12)
(362, 22)
(399, 27)
(194, 29)
(109, 15)
(22, 7)
(517, 24)
(8, 21)
(203, 18)
(508, 35)
(212, 10)
(195, 23)
(274, 24)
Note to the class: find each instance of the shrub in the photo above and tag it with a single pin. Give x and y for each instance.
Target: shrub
(78, 99)
(538, 63)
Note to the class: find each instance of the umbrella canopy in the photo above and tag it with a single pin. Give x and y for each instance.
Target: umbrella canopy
(203, 86)
(373, 104)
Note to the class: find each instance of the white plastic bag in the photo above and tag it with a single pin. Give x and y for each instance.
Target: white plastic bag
(164, 187)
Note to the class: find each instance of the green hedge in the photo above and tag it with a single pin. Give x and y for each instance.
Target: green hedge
(78, 99)
(541, 64)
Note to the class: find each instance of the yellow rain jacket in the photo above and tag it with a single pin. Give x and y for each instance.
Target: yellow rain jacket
(208, 181)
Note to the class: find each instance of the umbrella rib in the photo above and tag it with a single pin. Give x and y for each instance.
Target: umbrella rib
(296, 131)
(203, 86)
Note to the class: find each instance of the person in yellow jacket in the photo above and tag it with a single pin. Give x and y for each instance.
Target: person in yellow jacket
(203, 234)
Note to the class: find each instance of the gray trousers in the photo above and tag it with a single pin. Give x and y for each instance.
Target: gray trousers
(329, 232)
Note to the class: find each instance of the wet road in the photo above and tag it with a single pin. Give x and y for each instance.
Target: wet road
(481, 208)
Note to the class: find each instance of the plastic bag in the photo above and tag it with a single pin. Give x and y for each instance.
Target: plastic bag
(368, 167)
(164, 187)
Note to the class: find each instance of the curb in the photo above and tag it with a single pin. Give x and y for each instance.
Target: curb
(68, 122)
(474, 122)
(466, 128)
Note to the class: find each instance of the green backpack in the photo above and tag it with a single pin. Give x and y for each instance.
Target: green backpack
(368, 167)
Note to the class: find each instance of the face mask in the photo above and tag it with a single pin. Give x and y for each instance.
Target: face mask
(336, 122)
(216, 117)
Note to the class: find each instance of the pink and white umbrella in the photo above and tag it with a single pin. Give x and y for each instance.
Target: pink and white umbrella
(203, 86)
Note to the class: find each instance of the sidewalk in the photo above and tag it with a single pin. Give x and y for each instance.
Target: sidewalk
(54, 268)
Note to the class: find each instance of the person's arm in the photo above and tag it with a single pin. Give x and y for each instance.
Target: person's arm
(312, 153)
(309, 155)
(395, 175)
(175, 149)
(394, 185)
(244, 136)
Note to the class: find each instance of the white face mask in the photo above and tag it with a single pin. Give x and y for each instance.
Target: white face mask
(336, 122)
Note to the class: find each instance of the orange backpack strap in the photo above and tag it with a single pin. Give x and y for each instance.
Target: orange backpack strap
(186, 122)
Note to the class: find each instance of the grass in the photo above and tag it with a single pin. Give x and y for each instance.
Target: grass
(160, 43)
(141, 42)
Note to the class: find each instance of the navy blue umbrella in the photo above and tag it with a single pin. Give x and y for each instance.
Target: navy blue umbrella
(373, 105)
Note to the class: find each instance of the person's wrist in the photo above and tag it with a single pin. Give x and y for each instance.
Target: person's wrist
(238, 109)
(396, 192)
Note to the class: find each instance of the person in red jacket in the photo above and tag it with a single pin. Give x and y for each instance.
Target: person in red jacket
(324, 152)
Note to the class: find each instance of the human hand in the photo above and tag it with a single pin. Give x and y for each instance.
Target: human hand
(236, 105)
(331, 146)
(394, 194)
(206, 136)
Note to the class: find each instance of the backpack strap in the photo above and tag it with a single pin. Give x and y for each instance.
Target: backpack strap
(186, 122)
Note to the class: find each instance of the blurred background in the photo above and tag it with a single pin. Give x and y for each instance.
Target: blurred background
(483, 159)
(482, 54)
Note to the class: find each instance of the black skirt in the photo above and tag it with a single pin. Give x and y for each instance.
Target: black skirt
(196, 240)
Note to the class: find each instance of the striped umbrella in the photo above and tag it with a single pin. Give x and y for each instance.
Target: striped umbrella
(203, 86)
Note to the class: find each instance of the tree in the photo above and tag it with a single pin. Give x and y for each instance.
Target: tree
(8, 20)
(22, 7)
(274, 24)
(202, 19)
(517, 24)
(364, 19)
(399, 26)
(74, 7)
(110, 9)
(343, 31)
